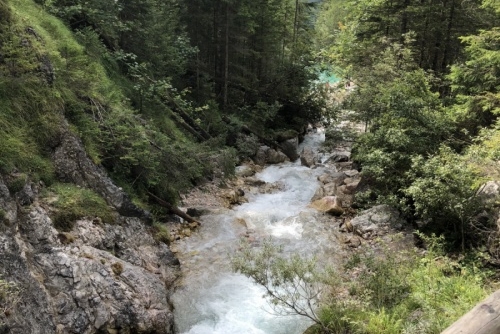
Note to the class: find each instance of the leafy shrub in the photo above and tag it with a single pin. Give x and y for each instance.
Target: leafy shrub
(404, 292)
(74, 203)
(247, 145)
(443, 191)
(389, 291)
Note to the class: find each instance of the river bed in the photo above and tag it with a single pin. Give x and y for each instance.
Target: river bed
(210, 297)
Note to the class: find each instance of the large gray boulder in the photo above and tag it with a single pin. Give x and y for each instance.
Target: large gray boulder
(267, 155)
(489, 190)
(376, 221)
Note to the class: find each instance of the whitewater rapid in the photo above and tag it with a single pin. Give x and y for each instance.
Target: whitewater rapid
(213, 299)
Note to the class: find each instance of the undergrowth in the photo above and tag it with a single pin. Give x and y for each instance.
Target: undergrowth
(405, 292)
(73, 203)
(49, 74)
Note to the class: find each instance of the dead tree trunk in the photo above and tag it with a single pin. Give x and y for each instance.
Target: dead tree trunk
(484, 318)
(172, 208)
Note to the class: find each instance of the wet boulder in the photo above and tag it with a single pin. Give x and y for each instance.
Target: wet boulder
(308, 157)
(234, 197)
(290, 148)
(275, 157)
(245, 170)
(339, 157)
(336, 177)
(267, 155)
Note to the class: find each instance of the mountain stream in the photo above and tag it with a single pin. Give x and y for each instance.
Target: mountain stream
(213, 299)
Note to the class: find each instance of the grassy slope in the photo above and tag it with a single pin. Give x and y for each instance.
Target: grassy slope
(141, 155)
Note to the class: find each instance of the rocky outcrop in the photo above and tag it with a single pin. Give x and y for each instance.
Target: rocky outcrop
(96, 278)
(290, 148)
(74, 165)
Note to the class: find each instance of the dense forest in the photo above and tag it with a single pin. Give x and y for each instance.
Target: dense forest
(169, 94)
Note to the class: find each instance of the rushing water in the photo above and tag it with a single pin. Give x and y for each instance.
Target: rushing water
(213, 299)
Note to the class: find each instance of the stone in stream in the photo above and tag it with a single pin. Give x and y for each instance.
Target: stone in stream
(290, 147)
(328, 204)
(351, 173)
(308, 157)
(267, 155)
(245, 171)
(338, 158)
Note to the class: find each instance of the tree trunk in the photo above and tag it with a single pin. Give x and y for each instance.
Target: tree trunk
(173, 209)
(449, 29)
(484, 318)
(295, 26)
(184, 115)
(226, 59)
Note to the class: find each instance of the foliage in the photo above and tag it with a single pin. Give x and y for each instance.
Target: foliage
(405, 120)
(293, 284)
(404, 292)
(16, 182)
(381, 291)
(50, 74)
(475, 82)
(73, 203)
(443, 190)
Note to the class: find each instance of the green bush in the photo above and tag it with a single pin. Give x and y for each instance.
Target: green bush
(404, 292)
(73, 203)
(443, 192)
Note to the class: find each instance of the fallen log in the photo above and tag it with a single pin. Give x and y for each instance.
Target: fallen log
(176, 108)
(484, 318)
(173, 209)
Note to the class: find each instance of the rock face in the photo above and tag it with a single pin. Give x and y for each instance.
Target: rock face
(376, 221)
(96, 278)
(73, 165)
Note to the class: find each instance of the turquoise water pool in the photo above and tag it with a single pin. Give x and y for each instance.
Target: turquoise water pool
(328, 77)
